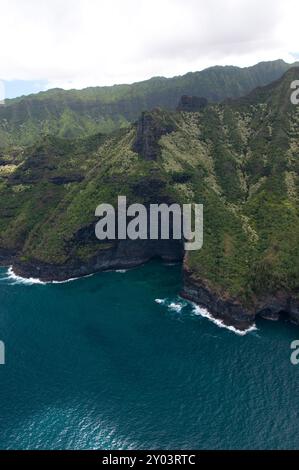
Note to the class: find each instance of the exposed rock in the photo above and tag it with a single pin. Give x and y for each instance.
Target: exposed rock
(191, 104)
(234, 313)
(269, 314)
(4, 162)
(229, 311)
(66, 179)
(279, 306)
(122, 255)
(149, 130)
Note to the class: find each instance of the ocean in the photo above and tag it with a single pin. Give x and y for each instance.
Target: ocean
(119, 361)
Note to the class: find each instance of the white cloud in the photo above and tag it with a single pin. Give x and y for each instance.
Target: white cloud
(77, 43)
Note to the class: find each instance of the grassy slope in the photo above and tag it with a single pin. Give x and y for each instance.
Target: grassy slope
(240, 159)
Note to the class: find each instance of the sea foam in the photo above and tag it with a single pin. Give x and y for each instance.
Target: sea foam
(16, 279)
(176, 305)
(203, 312)
(21, 280)
(29, 281)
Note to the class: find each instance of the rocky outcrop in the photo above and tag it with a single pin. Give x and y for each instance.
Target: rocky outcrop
(106, 255)
(7, 257)
(279, 306)
(229, 311)
(191, 104)
(232, 312)
(123, 255)
(150, 128)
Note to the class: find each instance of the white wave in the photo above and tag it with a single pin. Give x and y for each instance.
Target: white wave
(176, 305)
(29, 281)
(16, 279)
(200, 311)
(71, 279)
(21, 280)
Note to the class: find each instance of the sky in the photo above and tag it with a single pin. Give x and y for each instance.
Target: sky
(79, 43)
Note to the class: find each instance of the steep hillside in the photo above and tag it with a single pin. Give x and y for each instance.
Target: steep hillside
(73, 114)
(238, 158)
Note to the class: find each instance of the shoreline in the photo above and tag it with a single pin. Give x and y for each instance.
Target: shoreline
(226, 313)
(197, 309)
(231, 312)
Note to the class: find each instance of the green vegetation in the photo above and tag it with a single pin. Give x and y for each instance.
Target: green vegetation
(72, 114)
(238, 158)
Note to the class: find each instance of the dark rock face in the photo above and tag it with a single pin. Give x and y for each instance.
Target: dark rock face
(191, 104)
(149, 130)
(120, 254)
(6, 257)
(66, 179)
(233, 313)
(280, 306)
(124, 254)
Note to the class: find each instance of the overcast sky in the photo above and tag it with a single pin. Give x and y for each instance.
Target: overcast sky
(79, 43)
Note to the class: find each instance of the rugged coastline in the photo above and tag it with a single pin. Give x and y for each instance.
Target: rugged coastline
(123, 255)
(128, 255)
(238, 159)
(231, 312)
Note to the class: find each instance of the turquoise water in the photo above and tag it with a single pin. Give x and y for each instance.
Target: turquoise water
(99, 363)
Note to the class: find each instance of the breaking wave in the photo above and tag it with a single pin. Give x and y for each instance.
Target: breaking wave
(200, 311)
(30, 281)
(175, 306)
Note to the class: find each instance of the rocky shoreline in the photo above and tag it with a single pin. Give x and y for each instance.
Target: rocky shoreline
(123, 255)
(231, 312)
(127, 255)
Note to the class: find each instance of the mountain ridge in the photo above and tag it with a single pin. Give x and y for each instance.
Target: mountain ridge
(76, 113)
(158, 78)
